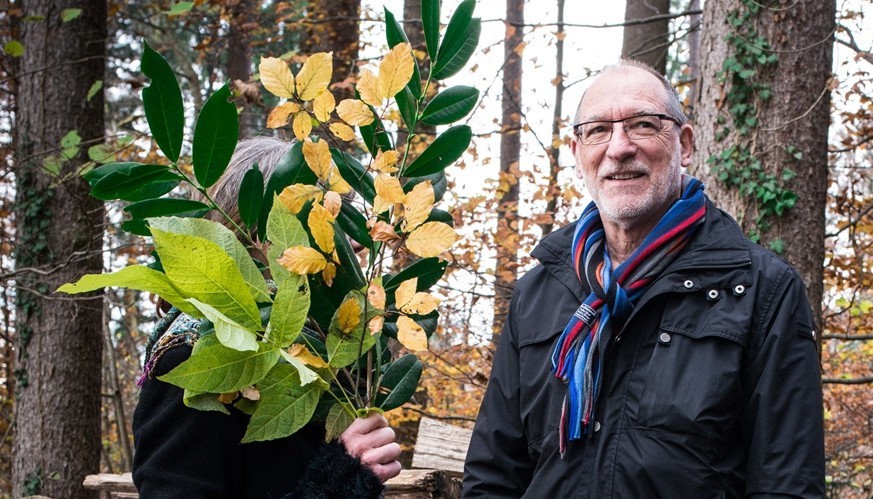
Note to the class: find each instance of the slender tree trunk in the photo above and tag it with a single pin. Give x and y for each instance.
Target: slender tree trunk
(777, 114)
(507, 235)
(334, 26)
(554, 190)
(647, 42)
(694, 57)
(242, 14)
(59, 232)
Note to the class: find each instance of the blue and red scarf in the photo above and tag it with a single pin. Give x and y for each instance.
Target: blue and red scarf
(578, 356)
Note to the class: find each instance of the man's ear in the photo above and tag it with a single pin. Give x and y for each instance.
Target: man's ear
(574, 145)
(686, 143)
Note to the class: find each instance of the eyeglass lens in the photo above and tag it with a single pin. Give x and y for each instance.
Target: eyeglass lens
(636, 127)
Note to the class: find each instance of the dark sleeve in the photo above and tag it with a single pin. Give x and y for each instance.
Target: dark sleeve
(782, 423)
(498, 463)
(335, 474)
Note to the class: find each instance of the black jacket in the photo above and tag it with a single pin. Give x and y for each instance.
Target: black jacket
(712, 391)
(187, 453)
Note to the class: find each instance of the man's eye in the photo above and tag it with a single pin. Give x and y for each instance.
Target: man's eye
(643, 124)
(596, 129)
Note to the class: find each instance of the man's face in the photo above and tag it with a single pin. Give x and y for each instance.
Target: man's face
(632, 181)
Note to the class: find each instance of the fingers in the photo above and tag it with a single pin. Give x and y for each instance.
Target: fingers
(372, 441)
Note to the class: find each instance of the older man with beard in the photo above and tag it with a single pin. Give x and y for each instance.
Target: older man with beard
(654, 352)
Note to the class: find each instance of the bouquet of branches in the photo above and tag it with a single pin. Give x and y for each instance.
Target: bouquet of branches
(312, 340)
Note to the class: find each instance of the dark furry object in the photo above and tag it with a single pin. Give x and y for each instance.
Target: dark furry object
(334, 474)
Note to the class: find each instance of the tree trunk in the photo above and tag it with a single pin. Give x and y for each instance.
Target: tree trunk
(553, 190)
(647, 41)
(242, 14)
(334, 26)
(694, 58)
(507, 235)
(59, 234)
(758, 121)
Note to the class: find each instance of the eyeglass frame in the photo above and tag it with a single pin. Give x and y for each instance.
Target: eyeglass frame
(656, 115)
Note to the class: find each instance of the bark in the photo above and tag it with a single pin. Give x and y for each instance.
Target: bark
(694, 57)
(554, 188)
(57, 438)
(242, 16)
(647, 42)
(334, 26)
(796, 116)
(507, 235)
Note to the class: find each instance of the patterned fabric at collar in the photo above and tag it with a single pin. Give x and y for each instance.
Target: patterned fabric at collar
(173, 330)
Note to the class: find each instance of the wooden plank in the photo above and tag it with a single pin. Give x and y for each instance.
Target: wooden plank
(440, 446)
(423, 484)
(110, 482)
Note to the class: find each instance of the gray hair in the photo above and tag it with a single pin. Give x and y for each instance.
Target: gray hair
(674, 106)
(267, 152)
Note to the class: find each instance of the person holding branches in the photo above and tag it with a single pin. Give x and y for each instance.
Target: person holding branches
(184, 452)
(654, 351)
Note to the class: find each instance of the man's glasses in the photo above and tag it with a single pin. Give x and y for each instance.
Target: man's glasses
(644, 126)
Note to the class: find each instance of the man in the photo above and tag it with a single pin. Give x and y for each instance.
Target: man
(655, 352)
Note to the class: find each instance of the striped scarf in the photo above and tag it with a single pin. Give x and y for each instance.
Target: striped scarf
(579, 353)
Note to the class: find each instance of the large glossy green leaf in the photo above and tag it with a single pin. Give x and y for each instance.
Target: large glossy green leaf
(290, 307)
(215, 136)
(251, 196)
(354, 224)
(216, 368)
(428, 271)
(430, 24)
(201, 269)
(394, 34)
(355, 174)
(401, 378)
(349, 273)
(285, 405)
(438, 181)
(450, 105)
(291, 169)
(135, 182)
(374, 135)
(459, 43)
(161, 207)
(227, 241)
(408, 106)
(137, 277)
(442, 152)
(162, 102)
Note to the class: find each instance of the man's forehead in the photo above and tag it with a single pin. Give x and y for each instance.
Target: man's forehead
(628, 91)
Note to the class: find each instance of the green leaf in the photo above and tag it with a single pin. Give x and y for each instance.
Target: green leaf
(283, 230)
(68, 15)
(228, 332)
(345, 348)
(251, 196)
(428, 271)
(430, 24)
(135, 182)
(450, 105)
(442, 152)
(162, 102)
(438, 180)
(354, 224)
(285, 405)
(180, 8)
(227, 241)
(52, 165)
(306, 374)
(406, 103)
(71, 139)
(338, 419)
(374, 135)
(349, 273)
(13, 48)
(291, 169)
(214, 368)
(290, 308)
(95, 87)
(401, 378)
(161, 207)
(101, 153)
(137, 277)
(201, 269)
(215, 137)
(355, 174)
(203, 401)
(459, 43)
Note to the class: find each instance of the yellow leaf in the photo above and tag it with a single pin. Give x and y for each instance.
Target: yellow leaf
(333, 202)
(342, 131)
(375, 324)
(301, 125)
(314, 76)
(418, 204)
(301, 353)
(410, 334)
(368, 88)
(385, 161)
(276, 77)
(421, 304)
(384, 232)
(302, 260)
(376, 295)
(328, 274)
(405, 291)
(354, 112)
(337, 182)
(296, 195)
(321, 227)
(317, 156)
(349, 315)
(431, 239)
(228, 398)
(279, 116)
(388, 192)
(395, 70)
(323, 105)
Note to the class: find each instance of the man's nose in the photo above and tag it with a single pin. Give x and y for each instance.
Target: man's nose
(620, 146)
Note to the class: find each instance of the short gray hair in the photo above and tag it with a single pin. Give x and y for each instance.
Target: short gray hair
(267, 152)
(674, 106)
